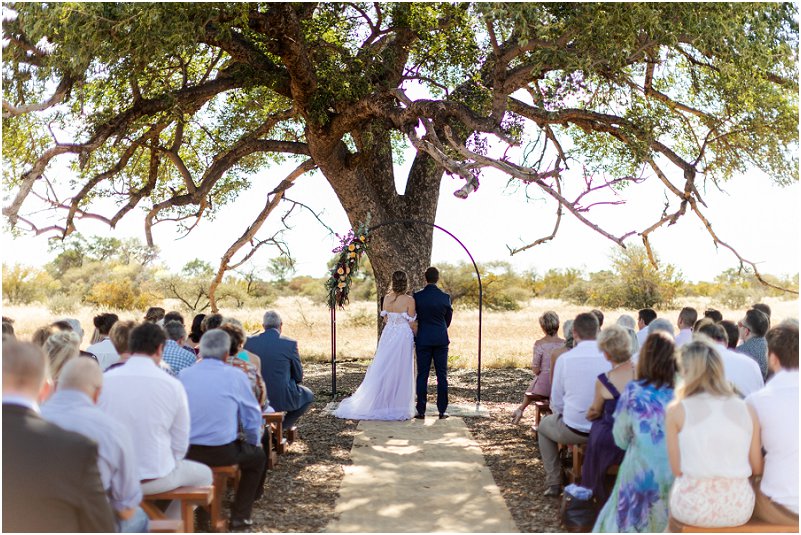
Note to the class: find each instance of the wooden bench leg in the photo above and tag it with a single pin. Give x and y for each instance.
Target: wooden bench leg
(292, 434)
(222, 475)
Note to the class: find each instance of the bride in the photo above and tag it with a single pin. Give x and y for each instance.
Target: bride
(387, 390)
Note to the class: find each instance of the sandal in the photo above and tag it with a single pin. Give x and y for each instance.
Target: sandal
(517, 416)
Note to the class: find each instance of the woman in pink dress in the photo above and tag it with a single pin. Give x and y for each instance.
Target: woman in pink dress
(540, 387)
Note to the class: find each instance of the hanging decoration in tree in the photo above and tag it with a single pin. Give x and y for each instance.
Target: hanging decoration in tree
(351, 248)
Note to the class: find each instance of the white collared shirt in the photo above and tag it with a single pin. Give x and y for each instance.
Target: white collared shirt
(776, 406)
(642, 334)
(574, 383)
(105, 352)
(153, 406)
(742, 371)
(684, 336)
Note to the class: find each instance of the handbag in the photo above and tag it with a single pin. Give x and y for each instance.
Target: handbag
(577, 514)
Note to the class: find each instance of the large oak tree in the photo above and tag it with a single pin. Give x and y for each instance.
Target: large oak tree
(173, 107)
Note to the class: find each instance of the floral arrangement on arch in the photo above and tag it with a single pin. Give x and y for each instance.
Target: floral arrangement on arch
(351, 248)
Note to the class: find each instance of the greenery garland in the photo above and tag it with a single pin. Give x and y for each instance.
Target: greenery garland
(351, 248)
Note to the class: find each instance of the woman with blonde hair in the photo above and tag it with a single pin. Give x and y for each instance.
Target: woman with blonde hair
(540, 387)
(713, 443)
(60, 348)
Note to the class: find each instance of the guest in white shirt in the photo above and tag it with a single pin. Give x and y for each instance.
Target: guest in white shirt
(571, 395)
(687, 318)
(776, 406)
(154, 407)
(101, 346)
(740, 371)
(658, 324)
(644, 319)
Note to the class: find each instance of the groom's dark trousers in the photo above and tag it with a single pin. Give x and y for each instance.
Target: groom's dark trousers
(425, 355)
(434, 312)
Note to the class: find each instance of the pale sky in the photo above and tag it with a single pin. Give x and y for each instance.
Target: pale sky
(755, 216)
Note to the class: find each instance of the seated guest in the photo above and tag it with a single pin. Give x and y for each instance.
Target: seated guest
(243, 354)
(155, 315)
(119, 335)
(72, 324)
(540, 387)
(281, 369)
(51, 480)
(193, 340)
(599, 315)
(175, 355)
(152, 405)
(602, 452)
(628, 323)
(687, 318)
(657, 325)
(752, 330)
(177, 316)
(714, 315)
(567, 331)
(644, 318)
(101, 346)
(765, 309)
(713, 444)
(40, 335)
(776, 406)
(237, 336)
(639, 499)
(742, 372)
(220, 400)
(72, 407)
(8, 329)
(211, 321)
(732, 333)
(571, 395)
(61, 347)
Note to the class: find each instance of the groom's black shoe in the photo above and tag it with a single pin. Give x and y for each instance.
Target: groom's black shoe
(444, 415)
(420, 416)
(553, 491)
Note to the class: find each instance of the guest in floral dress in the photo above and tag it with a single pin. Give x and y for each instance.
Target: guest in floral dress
(540, 387)
(639, 499)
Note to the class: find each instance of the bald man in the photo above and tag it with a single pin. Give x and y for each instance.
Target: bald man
(73, 407)
(51, 482)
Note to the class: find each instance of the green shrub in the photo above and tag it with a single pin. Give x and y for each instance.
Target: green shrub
(63, 303)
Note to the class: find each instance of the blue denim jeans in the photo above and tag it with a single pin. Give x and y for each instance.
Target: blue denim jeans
(138, 523)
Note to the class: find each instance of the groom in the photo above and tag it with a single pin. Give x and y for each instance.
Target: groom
(434, 314)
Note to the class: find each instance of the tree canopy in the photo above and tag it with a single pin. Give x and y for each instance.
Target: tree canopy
(171, 108)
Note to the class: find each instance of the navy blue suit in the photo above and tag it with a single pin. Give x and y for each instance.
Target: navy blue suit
(434, 313)
(282, 373)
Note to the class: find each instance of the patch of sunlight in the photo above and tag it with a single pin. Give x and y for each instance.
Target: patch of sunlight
(398, 450)
(395, 510)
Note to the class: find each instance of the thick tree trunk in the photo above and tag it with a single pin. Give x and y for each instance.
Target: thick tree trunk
(364, 183)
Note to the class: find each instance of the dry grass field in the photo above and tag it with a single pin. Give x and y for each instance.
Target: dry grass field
(507, 337)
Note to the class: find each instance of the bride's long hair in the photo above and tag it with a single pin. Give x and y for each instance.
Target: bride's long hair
(399, 282)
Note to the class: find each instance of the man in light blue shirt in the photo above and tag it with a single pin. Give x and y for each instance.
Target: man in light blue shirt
(220, 398)
(73, 408)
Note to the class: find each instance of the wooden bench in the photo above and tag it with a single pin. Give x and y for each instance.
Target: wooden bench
(189, 497)
(275, 422)
(752, 526)
(223, 475)
(541, 408)
(166, 526)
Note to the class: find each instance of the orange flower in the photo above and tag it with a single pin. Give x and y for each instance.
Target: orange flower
(351, 247)
(341, 271)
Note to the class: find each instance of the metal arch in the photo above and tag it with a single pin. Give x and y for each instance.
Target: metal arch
(480, 304)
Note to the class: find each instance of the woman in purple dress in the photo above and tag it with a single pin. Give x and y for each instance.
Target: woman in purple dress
(540, 387)
(602, 452)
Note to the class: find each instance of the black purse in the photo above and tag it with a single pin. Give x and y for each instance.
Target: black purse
(577, 515)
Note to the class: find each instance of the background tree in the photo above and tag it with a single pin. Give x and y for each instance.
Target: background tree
(172, 108)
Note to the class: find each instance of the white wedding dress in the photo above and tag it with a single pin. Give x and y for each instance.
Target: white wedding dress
(387, 390)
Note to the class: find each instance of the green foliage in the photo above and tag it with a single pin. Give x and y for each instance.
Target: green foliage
(502, 288)
(554, 282)
(23, 285)
(632, 283)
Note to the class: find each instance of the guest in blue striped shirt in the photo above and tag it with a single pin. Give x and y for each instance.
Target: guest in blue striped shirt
(174, 354)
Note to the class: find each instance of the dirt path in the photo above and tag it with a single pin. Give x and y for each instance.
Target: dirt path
(418, 476)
